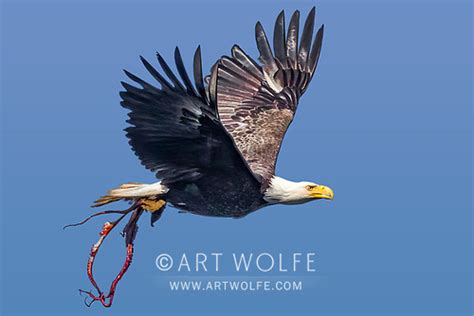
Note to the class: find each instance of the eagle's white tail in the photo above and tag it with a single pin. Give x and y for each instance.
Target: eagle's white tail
(132, 191)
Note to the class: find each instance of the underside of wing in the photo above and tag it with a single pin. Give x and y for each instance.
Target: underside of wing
(175, 130)
(256, 103)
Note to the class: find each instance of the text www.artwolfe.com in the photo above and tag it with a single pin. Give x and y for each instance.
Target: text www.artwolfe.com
(236, 285)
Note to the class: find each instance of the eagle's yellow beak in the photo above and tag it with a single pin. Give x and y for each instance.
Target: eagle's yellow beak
(321, 192)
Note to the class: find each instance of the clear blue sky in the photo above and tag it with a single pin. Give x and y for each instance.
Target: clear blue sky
(387, 123)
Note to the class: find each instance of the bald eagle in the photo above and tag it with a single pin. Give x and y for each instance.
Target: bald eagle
(214, 144)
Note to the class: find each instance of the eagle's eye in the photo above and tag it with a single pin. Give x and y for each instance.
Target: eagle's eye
(310, 187)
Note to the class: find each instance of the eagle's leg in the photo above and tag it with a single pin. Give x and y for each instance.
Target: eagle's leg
(155, 207)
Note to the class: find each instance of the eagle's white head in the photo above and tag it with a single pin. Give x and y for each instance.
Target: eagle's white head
(288, 192)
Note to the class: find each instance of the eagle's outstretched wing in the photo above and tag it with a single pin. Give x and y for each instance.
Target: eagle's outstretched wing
(175, 130)
(257, 103)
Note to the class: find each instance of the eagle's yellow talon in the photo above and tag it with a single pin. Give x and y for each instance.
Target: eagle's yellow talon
(151, 205)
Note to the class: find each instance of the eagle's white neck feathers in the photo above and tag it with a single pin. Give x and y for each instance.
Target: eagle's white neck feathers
(285, 191)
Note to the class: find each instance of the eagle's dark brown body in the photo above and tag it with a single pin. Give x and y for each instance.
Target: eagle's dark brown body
(235, 197)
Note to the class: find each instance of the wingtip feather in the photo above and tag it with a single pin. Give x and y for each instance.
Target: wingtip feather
(292, 37)
(306, 38)
(279, 37)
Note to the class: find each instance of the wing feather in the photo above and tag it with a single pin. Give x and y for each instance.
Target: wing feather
(182, 72)
(158, 77)
(257, 103)
(213, 89)
(279, 37)
(316, 50)
(266, 55)
(306, 38)
(292, 38)
(246, 62)
(169, 73)
(175, 131)
(198, 78)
